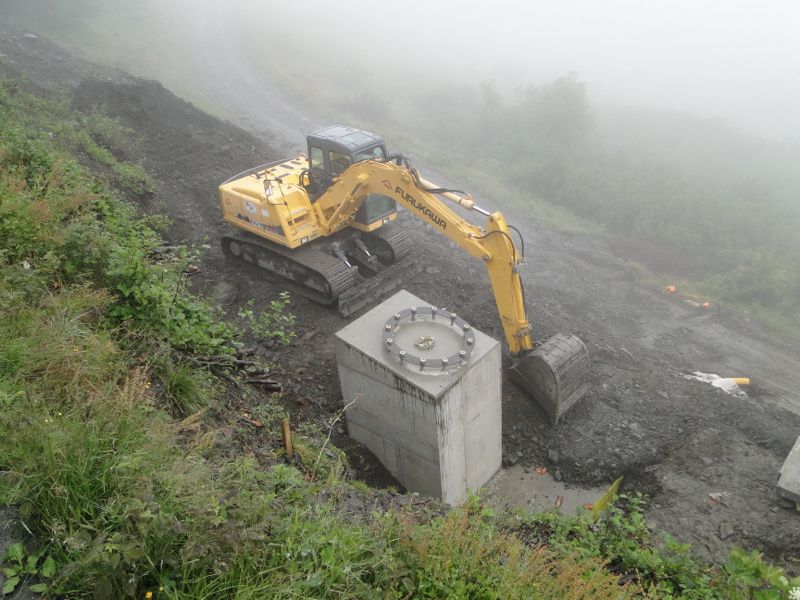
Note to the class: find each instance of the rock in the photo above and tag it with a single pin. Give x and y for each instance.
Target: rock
(260, 351)
(224, 293)
(789, 481)
(553, 455)
(557, 475)
(432, 270)
(308, 335)
(725, 530)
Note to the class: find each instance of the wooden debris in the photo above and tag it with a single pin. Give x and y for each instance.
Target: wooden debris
(287, 438)
(253, 370)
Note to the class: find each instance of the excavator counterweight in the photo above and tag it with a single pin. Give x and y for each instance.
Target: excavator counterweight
(327, 224)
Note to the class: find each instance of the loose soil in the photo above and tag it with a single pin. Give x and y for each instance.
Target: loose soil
(675, 439)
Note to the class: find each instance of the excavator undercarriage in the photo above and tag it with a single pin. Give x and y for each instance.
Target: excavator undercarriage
(352, 269)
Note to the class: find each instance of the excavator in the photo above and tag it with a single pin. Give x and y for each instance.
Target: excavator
(327, 223)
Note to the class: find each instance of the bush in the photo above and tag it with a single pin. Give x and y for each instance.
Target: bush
(620, 538)
(275, 323)
(186, 388)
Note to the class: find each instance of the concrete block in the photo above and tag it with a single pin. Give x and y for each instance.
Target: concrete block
(789, 481)
(439, 433)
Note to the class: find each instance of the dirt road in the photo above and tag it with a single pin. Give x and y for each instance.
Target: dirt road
(676, 439)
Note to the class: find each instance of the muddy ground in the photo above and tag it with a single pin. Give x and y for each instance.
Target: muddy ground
(675, 439)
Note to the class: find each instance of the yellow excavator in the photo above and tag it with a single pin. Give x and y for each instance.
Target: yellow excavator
(327, 223)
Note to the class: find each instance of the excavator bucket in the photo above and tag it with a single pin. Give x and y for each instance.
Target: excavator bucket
(556, 373)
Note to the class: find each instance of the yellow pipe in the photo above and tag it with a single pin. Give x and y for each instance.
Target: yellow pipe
(739, 380)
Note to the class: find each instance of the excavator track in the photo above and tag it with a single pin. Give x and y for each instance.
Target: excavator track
(391, 243)
(393, 247)
(373, 289)
(313, 272)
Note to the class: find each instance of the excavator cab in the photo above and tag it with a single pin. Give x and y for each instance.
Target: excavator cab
(331, 151)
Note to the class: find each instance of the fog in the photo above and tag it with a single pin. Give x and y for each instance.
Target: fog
(737, 60)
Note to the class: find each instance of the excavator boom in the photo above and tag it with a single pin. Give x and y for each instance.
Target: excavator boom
(554, 372)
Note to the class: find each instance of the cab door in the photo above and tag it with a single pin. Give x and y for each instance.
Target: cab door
(319, 172)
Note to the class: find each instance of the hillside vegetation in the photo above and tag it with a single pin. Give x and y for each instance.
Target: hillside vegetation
(736, 223)
(111, 414)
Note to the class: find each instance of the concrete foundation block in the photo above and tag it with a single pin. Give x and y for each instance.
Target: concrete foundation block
(438, 433)
(789, 481)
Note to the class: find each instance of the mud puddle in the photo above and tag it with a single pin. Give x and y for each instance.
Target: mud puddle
(522, 487)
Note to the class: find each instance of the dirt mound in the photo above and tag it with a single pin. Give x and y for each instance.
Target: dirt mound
(187, 151)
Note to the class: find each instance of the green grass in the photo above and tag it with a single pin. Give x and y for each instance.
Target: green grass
(186, 388)
(131, 178)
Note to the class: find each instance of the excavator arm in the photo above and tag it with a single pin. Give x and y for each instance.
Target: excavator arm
(492, 244)
(554, 372)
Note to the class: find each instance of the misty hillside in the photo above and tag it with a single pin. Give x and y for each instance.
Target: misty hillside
(176, 417)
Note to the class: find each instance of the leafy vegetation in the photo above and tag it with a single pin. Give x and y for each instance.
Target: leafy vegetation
(737, 225)
(275, 323)
(18, 564)
(108, 457)
(620, 538)
(730, 228)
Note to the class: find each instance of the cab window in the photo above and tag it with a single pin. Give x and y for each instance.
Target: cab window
(339, 163)
(374, 153)
(316, 157)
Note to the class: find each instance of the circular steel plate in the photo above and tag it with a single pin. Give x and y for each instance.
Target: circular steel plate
(429, 338)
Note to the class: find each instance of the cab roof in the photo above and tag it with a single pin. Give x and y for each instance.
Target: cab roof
(349, 137)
